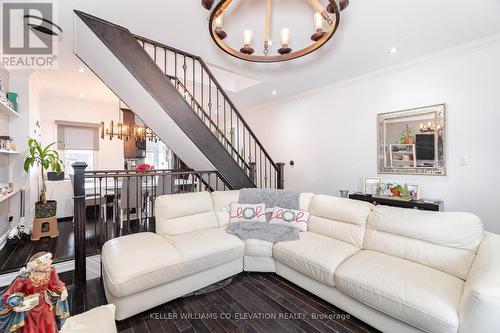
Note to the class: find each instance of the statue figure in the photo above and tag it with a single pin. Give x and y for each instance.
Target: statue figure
(36, 301)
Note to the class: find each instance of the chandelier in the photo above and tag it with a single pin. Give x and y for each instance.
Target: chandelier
(326, 21)
(127, 130)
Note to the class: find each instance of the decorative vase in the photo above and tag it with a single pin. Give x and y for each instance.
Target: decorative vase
(44, 210)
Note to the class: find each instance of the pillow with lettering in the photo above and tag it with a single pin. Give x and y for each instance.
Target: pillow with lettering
(292, 218)
(247, 213)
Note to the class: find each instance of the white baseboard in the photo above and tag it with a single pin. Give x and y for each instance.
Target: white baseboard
(93, 269)
(3, 239)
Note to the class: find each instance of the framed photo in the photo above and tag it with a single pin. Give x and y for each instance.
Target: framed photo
(371, 184)
(414, 191)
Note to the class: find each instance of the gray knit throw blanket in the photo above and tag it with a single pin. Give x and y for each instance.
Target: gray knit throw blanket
(263, 231)
(271, 197)
(266, 231)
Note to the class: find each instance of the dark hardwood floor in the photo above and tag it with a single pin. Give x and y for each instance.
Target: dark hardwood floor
(15, 256)
(252, 302)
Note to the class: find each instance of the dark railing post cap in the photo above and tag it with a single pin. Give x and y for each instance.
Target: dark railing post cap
(78, 165)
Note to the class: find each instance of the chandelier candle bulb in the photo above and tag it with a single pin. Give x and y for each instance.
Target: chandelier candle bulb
(247, 41)
(285, 38)
(319, 21)
(219, 21)
(247, 37)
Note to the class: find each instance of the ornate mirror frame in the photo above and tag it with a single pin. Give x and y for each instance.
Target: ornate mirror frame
(439, 111)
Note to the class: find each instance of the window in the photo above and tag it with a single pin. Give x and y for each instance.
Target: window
(77, 136)
(72, 156)
(77, 142)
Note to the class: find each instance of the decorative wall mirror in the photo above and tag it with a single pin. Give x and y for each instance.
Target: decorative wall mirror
(413, 142)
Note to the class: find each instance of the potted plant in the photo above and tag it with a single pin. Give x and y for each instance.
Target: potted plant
(45, 158)
(407, 137)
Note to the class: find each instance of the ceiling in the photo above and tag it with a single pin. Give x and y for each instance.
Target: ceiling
(368, 30)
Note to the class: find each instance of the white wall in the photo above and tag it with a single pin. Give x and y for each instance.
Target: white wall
(110, 154)
(26, 86)
(331, 133)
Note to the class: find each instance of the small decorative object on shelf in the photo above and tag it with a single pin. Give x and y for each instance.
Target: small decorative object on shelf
(3, 94)
(36, 301)
(394, 191)
(12, 97)
(6, 189)
(344, 193)
(144, 167)
(6, 143)
(371, 184)
(45, 158)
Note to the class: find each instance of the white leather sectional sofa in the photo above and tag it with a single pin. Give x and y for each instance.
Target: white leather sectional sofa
(399, 270)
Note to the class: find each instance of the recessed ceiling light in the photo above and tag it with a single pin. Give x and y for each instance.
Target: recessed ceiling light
(81, 69)
(82, 95)
(393, 50)
(274, 92)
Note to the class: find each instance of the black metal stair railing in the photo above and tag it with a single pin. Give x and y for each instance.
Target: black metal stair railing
(208, 100)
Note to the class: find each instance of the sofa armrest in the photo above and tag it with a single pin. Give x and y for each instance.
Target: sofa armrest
(480, 304)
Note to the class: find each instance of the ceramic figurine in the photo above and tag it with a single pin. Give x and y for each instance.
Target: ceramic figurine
(36, 301)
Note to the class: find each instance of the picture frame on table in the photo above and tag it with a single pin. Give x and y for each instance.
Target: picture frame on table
(414, 191)
(371, 184)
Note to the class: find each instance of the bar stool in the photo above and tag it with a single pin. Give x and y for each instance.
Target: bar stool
(39, 222)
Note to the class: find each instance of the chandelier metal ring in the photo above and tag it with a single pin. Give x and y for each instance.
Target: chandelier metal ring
(330, 13)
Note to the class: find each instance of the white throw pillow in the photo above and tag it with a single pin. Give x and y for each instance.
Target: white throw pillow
(292, 218)
(247, 213)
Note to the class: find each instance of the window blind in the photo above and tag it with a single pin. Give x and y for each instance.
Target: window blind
(77, 136)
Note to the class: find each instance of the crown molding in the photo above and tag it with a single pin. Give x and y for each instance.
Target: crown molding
(446, 54)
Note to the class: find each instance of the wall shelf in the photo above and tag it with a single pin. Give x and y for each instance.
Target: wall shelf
(7, 197)
(4, 108)
(2, 151)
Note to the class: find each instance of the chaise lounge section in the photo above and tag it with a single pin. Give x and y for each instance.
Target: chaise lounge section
(399, 270)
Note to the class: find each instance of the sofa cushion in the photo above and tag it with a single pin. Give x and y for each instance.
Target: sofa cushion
(314, 255)
(137, 262)
(182, 213)
(339, 218)
(445, 241)
(222, 201)
(305, 201)
(204, 249)
(100, 319)
(258, 248)
(416, 294)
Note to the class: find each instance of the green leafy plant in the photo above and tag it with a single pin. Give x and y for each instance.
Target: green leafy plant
(45, 158)
(407, 137)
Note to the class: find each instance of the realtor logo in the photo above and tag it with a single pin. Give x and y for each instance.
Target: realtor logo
(29, 35)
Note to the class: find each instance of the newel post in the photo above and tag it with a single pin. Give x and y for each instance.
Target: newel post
(80, 275)
(281, 175)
